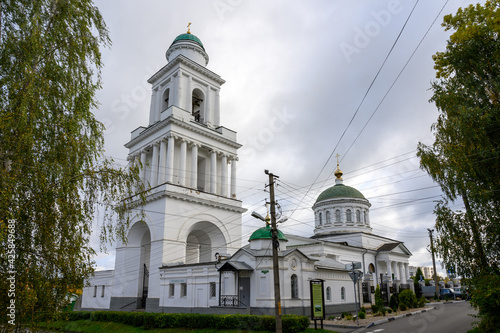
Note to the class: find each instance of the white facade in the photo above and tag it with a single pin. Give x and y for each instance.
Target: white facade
(188, 164)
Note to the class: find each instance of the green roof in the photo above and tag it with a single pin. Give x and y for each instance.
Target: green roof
(265, 233)
(187, 36)
(340, 191)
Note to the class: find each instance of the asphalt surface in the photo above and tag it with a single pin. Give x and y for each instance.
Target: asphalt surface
(453, 317)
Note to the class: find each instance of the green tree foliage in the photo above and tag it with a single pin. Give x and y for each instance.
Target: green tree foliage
(486, 297)
(53, 175)
(379, 302)
(465, 157)
(418, 274)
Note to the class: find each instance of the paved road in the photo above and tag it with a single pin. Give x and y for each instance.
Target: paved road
(446, 318)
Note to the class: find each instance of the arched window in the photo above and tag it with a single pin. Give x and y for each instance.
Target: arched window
(328, 219)
(166, 100)
(371, 268)
(320, 219)
(348, 215)
(197, 106)
(337, 216)
(365, 217)
(328, 294)
(358, 216)
(342, 293)
(295, 286)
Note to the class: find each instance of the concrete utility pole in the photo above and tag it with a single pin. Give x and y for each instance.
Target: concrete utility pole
(434, 262)
(276, 273)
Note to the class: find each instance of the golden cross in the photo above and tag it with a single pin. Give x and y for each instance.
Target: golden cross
(337, 158)
(189, 31)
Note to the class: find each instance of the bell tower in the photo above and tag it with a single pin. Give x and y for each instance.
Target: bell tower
(189, 168)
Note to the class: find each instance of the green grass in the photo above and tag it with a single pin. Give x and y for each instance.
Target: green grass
(87, 326)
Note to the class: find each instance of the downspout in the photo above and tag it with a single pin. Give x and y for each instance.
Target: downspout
(376, 267)
(364, 267)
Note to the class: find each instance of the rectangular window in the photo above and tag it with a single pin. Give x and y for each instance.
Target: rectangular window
(171, 290)
(95, 291)
(263, 286)
(213, 290)
(183, 289)
(102, 291)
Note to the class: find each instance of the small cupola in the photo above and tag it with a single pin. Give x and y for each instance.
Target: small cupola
(341, 209)
(261, 239)
(189, 46)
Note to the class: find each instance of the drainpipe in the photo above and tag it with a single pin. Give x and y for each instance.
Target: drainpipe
(376, 267)
(364, 267)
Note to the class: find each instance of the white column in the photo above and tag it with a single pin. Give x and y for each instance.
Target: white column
(170, 159)
(163, 158)
(213, 171)
(217, 109)
(208, 112)
(178, 90)
(223, 180)
(389, 267)
(154, 170)
(407, 271)
(143, 167)
(152, 108)
(233, 177)
(159, 103)
(133, 161)
(182, 165)
(194, 166)
(189, 95)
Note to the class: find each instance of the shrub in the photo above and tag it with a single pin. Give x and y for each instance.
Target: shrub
(408, 298)
(394, 301)
(378, 299)
(362, 315)
(383, 310)
(295, 323)
(291, 323)
(345, 314)
(485, 296)
(363, 309)
(402, 307)
(374, 308)
(390, 310)
(79, 315)
(422, 302)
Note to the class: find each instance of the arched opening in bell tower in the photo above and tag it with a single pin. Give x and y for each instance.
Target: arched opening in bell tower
(139, 237)
(165, 100)
(197, 108)
(203, 241)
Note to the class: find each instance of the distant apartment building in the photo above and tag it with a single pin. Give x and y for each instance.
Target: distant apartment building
(428, 272)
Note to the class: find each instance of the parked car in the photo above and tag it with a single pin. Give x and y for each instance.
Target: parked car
(446, 294)
(458, 292)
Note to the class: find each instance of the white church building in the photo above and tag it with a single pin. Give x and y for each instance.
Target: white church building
(187, 255)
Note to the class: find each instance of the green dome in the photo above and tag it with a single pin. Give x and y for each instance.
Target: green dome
(188, 36)
(340, 191)
(265, 233)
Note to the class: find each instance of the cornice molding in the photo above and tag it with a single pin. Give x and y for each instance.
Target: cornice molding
(336, 202)
(166, 193)
(192, 126)
(180, 59)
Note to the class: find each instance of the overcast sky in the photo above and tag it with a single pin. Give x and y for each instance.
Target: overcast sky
(296, 75)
